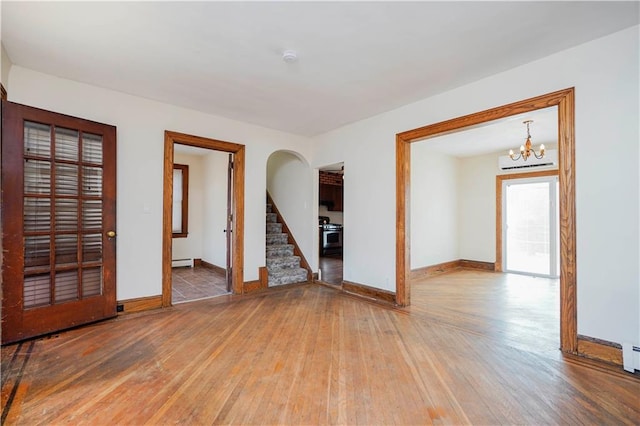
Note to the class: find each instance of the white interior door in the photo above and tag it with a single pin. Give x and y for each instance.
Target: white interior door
(531, 229)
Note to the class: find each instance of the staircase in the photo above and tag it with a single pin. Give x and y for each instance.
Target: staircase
(282, 265)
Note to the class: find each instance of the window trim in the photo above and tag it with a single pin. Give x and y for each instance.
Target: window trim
(185, 201)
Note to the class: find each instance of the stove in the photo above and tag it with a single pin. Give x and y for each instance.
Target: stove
(331, 238)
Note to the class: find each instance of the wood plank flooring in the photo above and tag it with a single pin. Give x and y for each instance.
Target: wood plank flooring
(331, 267)
(307, 354)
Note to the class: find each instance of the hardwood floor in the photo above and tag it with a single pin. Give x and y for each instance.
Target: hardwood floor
(196, 283)
(331, 267)
(308, 354)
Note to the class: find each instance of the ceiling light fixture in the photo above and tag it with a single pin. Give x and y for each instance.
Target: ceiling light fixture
(289, 56)
(526, 150)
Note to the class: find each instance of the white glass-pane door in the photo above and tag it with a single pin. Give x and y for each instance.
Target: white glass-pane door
(530, 233)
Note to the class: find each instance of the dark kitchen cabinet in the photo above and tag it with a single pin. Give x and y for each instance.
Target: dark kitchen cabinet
(331, 196)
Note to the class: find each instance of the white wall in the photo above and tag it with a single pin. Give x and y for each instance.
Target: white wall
(604, 73)
(290, 183)
(5, 66)
(140, 131)
(477, 201)
(215, 208)
(434, 207)
(191, 246)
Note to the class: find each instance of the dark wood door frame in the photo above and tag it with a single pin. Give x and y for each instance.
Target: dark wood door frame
(565, 101)
(171, 138)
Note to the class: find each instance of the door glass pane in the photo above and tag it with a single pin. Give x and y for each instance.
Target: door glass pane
(91, 281)
(66, 249)
(66, 214)
(37, 139)
(66, 179)
(91, 214)
(37, 214)
(92, 247)
(37, 290)
(66, 286)
(528, 228)
(91, 148)
(66, 144)
(37, 250)
(92, 181)
(37, 177)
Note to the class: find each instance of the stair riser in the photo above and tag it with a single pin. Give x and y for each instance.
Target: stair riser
(294, 277)
(283, 263)
(279, 251)
(272, 217)
(274, 228)
(276, 239)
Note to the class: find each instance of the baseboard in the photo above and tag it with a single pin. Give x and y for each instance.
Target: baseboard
(208, 265)
(476, 264)
(369, 292)
(261, 283)
(263, 276)
(140, 304)
(599, 349)
(441, 268)
(250, 286)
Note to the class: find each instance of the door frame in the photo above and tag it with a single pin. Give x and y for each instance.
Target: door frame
(171, 138)
(565, 101)
(499, 213)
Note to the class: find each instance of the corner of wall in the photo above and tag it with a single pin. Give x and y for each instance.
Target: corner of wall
(5, 64)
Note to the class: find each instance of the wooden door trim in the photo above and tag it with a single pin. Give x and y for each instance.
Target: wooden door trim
(171, 138)
(565, 101)
(499, 180)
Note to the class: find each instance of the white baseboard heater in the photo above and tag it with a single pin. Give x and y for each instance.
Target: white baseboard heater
(179, 263)
(630, 357)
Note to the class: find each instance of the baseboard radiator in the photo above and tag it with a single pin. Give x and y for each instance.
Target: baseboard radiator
(180, 263)
(630, 357)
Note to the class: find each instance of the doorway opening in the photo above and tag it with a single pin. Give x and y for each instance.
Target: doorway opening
(530, 229)
(331, 223)
(565, 102)
(233, 217)
(201, 229)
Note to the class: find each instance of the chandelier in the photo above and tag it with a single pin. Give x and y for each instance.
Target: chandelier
(526, 150)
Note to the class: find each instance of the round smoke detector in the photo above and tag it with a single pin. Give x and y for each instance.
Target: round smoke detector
(289, 56)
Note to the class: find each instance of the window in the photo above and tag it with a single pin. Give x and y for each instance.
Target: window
(180, 200)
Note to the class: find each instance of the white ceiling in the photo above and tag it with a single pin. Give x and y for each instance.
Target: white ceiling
(356, 59)
(500, 135)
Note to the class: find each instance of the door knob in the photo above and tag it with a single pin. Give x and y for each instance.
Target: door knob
(111, 234)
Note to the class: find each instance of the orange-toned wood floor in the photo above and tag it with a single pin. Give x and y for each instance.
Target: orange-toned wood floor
(308, 354)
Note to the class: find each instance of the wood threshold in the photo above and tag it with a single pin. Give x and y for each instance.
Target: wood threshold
(565, 101)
